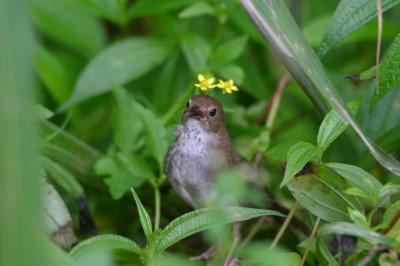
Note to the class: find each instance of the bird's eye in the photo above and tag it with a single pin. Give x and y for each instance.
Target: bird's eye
(187, 104)
(213, 112)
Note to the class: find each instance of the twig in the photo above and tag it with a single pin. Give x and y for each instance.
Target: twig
(276, 100)
(378, 42)
(284, 225)
(392, 222)
(372, 252)
(252, 233)
(303, 260)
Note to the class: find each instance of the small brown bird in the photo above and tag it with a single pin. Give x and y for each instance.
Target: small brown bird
(202, 147)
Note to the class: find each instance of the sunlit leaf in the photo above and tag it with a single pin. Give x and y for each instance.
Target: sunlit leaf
(298, 155)
(197, 9)
(321, 191)
(154, 7)
(278, 27)
(229, 51)
(202, 219)
(104, 242)
(389, 72)
(349, 16)
(116, 65)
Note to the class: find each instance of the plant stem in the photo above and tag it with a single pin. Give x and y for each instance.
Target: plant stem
(284, 225)
(303, 260)
(378, 42)
(276, 100)
(157, 207)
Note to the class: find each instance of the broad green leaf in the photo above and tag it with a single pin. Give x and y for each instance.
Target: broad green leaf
(321, 191)
(62, 177)
(196, 51)
(197, 9)
(126, 171)
(229, 51)
(104, 242)
(332, 126)
(389, 72)
(298, 155)
(358, 218)
(109, 9)
(233, 72)
(154, 7)
(154, 134)
(43, 112)
(357, 231)
(280, 151)
(57, 220)
(349, 16)
(127, 125)
(144, 216)
(278, 27)
(61, 21)
(202, 219)
(55, 255)
(118, 64)
(355, 176)
(55, 76)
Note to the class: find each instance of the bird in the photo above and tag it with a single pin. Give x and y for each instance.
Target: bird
(201, 149)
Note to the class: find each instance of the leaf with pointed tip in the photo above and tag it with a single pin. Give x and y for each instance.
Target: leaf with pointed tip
(349, 16)
(202, 219)
(276, 24)
(389, 72)
(321, 191)
(118, 64)
(298, 156)
(103, 242)
(144, 216)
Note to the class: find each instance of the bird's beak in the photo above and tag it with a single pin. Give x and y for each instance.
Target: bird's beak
(194, 112)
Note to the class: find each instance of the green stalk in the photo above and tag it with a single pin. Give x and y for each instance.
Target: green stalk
(157, 207)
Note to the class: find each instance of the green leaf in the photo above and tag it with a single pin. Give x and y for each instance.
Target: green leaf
(155, 134)
(62, 177)
(55, 76)
(349, 16)
(280, 151)
(109, 9)
(357, 231)
(368, 74)
(332, 126)
(278, 27)
(388, 216)
(118, 64)
(234, 72)
(298, 156)
(197, 9)
(229, 51)
(57, 220)
(389, 72)
(43, 112)
(195, 50)
(105, 242)
(202, 219)
(126, 171)
(144, 216)
(154, 7)
(356, 177)
(358, 218)
(321, 191)
(68, 25)
(126, 124)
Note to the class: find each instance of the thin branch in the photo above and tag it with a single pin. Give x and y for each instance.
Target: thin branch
(371, 254)
(303, 260)
(284, 225)
(392, 222)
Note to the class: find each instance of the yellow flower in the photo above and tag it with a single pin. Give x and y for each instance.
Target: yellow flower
(205, 83)
(227, 86)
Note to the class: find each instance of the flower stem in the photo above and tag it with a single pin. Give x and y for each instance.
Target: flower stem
(157, 207)
(284, 225)
(303, 260)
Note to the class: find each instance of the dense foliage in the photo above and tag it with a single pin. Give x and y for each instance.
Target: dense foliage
(114, 77)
